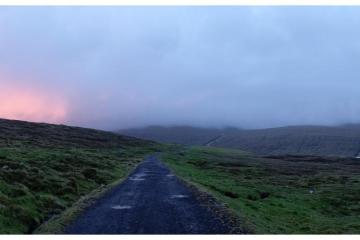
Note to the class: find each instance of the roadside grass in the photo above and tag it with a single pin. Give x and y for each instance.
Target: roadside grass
(285, 195)
(37, 183)
(45, 169)
(57, 223)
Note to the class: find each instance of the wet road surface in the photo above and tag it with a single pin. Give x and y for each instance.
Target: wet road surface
(150, 201)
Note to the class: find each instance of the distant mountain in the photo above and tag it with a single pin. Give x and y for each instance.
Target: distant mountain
(179, 134)
(341, 140)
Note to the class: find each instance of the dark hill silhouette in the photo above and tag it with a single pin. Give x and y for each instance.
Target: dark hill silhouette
(341, 140)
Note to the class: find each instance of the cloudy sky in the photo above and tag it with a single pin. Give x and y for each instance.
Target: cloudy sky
(120, 67)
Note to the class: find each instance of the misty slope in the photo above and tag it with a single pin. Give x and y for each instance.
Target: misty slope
(180, 134)
(303, 140)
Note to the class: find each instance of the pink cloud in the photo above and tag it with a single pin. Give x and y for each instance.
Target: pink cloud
(38, 105)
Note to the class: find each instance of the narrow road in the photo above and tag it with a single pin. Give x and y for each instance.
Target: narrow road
(214, 140)
(150, 201)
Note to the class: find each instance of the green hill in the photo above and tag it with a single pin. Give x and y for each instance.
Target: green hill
(45, 169)
(48, 170)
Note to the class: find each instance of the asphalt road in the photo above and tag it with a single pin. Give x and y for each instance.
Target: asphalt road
(150, 201)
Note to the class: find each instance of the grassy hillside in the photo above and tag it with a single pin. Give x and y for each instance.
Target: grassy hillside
(288, 194)
(45, 168)
(303, 140)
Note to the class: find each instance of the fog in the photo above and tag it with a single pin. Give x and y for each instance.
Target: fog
(120, 67)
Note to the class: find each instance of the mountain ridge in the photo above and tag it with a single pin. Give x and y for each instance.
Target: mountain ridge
(342, 140)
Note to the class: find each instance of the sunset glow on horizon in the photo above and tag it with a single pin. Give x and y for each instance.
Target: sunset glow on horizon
(19, 103)
(123, 67)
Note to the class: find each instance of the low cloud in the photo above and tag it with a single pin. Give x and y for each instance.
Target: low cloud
(119, 67)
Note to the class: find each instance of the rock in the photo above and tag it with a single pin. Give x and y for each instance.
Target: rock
(231, 194)
(264, 195)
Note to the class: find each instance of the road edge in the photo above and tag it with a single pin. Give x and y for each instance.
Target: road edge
(208, 200)
(58, 223)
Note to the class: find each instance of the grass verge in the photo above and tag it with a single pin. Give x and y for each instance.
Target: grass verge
(37, 183)
(58, 223)
(284, 195)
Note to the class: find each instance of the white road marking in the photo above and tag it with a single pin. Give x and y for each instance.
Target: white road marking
(140, 175)
(121, 207)
(179, 196)
(170, 175)
(137, 179)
